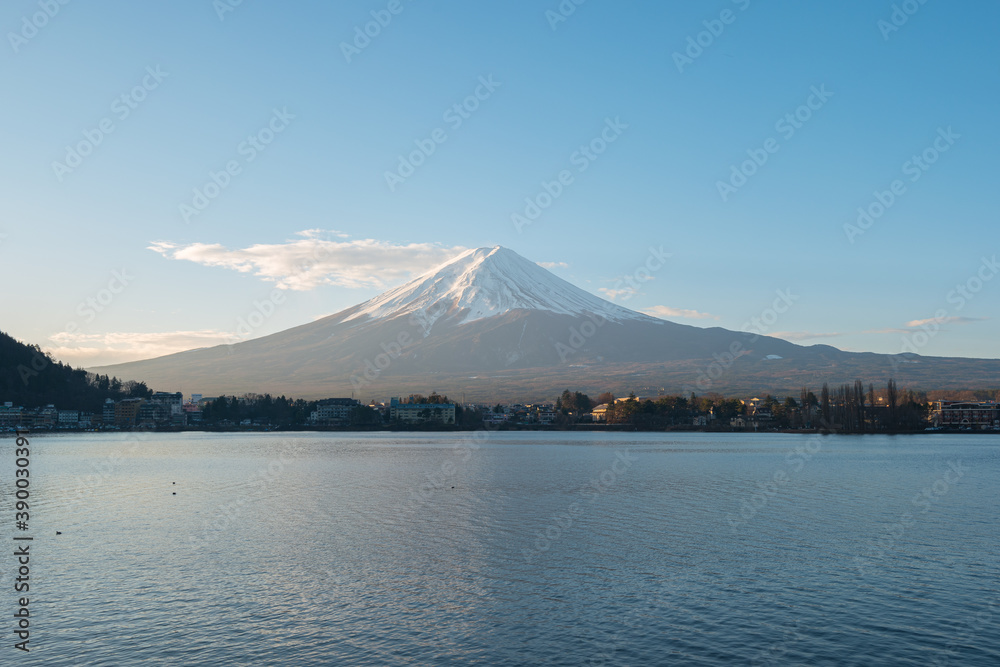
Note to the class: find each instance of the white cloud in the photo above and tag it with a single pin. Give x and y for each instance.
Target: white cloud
(553, 265)
(86, 350)
(311, 261)
(613, 294)
(667, 311)
(954, 319)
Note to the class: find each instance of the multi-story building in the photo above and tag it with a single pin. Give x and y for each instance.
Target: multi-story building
(150, 414)
(192, 412)
(173, 402)
(127, 411)
(966, 414)
(108, 412)
(46, 417)
(11, 416)
(418, 413)
(69, 418)
(334, 411)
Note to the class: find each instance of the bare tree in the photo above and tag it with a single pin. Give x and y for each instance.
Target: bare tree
(892, 398)
(824, 402)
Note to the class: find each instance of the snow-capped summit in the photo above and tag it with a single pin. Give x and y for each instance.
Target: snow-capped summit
(491, 325)
(484, 282)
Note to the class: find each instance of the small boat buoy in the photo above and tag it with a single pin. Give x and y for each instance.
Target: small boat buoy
(174, 493)
(58, 532)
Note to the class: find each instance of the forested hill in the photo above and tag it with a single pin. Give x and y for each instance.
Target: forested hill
(31, 378)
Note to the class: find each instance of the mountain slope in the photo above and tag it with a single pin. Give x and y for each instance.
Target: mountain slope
(491, 324)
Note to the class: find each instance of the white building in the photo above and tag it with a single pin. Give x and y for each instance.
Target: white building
(334, 411)
(174, 402)
(416, 413)
(69, 417)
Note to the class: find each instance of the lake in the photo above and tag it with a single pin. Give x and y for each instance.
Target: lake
(530, 548)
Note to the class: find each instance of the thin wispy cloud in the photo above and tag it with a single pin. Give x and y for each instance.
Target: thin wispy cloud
(312, 261)
(907, 329)
(955, 319)
(553, 265)
(80, 349)
(667, 311)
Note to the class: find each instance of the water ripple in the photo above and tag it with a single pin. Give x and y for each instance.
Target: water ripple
(540, 549)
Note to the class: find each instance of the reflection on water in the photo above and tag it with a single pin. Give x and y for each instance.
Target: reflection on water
(527, 548)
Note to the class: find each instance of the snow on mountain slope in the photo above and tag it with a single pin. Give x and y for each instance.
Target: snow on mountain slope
(485, 282)
(505, 328)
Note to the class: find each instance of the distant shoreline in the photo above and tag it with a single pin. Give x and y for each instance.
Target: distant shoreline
(613, 428)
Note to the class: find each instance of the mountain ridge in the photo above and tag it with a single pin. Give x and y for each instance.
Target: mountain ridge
(485, 282)
(491, 324)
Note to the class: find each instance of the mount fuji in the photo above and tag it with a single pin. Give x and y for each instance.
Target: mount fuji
(492, 325)
(488, 282)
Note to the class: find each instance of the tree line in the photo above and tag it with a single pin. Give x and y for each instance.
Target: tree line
(32, 379)
(847, 408)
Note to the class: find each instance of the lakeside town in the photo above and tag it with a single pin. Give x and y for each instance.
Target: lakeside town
(847, 409)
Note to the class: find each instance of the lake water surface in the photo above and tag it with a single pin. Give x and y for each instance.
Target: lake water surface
(508, 549)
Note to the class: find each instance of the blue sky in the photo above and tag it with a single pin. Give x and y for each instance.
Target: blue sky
(202, 84)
